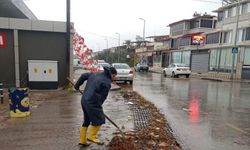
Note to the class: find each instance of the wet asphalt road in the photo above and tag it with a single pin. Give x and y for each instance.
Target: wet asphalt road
(204, 115)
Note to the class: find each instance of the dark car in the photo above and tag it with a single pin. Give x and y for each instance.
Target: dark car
(141, 67)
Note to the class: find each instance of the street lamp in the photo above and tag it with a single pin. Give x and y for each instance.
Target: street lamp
(119, 35)
(107, 44)
(143, 28)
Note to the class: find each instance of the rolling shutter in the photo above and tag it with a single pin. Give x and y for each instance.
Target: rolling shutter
(200, 62)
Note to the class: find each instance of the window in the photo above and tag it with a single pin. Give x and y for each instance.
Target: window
(121, 66)
(226, 14)
(186, 58)
(221, 60)
(207, 23)
(220, 16)
(248, 7)
(176, 57)
(247, 56)
(212, 38)
(245, 8)
(243, 34)
(226, 60)
(174, 43)
(232, 12)
(181, 57)
(227, 37)
(240, 35)
(194, 24)
(214, 60)
(176, 28)
(247, 33)
(185, 41)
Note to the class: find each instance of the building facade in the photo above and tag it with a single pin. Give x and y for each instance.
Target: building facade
(24, 38)
(187, 41)
(232, 32)
(216, 46)
(183, 44)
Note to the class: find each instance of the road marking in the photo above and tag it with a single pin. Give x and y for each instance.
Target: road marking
(236, 128)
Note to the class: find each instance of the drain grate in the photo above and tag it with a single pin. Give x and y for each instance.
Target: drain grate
(141, 116)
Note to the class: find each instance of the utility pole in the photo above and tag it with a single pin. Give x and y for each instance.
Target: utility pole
(107, 46)
(68, 28)
(68, 34)
(235, 38)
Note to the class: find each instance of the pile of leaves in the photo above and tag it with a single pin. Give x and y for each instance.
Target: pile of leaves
(156, 136)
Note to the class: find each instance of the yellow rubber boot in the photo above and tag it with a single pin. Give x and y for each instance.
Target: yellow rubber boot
(92, 135)
(83, 139)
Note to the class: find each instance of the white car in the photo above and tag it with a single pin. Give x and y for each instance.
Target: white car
(101, 65)
(124, 72)
(175, 70)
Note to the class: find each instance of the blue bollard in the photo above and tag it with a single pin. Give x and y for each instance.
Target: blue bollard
(19, 102)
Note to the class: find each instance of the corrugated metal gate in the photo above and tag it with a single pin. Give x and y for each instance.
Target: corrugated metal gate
(199, 62)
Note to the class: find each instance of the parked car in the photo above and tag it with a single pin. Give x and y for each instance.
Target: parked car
(101, 65)
(175, 70)
(141, 67)
(124, 72)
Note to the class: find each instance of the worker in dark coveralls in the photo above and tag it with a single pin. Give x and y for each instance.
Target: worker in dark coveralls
(94, 94)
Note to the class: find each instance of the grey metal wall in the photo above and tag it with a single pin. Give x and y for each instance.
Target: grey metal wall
(7, 60)
(42, 46)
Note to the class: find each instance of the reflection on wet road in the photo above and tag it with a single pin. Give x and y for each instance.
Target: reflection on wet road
(205, 115)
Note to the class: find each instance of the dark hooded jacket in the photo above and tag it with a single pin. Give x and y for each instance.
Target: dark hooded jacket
(95, 93)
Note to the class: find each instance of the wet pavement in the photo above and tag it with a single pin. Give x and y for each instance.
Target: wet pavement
(55, 121)
(204, 115)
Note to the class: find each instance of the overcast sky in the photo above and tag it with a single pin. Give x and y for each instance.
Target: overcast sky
(97, 19)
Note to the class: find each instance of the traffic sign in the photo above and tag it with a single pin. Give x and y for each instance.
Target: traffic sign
(235, 50)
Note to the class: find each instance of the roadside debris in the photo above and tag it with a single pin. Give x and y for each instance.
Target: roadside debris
(156, 135)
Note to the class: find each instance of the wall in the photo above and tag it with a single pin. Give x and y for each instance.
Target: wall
(7, 60)
(34, 45)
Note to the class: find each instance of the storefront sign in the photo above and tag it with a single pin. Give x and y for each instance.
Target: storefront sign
(2, 40)
(197, 39)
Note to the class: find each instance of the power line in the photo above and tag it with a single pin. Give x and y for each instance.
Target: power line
(209, 1)
(101, 35)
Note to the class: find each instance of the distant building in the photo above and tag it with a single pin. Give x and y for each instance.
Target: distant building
(207, 43)
(182, 44)
(187, 40)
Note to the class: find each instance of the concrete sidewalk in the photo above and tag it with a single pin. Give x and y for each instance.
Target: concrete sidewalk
(205, 76)
(56, 117)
